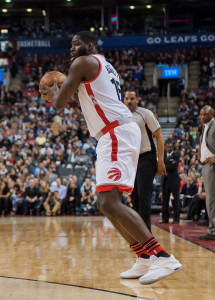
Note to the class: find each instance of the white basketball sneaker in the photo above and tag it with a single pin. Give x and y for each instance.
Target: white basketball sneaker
(161, 268)
(140, 268)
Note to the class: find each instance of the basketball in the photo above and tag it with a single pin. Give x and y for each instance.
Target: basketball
(48, 79)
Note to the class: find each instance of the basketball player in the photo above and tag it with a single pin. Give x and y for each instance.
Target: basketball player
(110, 122)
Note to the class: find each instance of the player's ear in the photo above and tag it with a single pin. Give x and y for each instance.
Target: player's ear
(90, 46)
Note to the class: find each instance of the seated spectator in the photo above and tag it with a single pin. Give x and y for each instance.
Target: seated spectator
(50, 176)
(88, 199)
(5, 202)
(13, 174)
(78, 163)
(41, 138)
(9, 160)
(46, 149)
(52, 203)
(180, 131)
(72, 198)
(43, 193)
(58, 186)
(3, 169)
(93, 174)
(189, 189)
(151, 107)
(198, 204)
(31, 200)
(76, 180)
(41, 167)
(17, 197)
(91, 151)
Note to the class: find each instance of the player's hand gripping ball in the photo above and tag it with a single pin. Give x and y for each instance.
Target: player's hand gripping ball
(50, 84)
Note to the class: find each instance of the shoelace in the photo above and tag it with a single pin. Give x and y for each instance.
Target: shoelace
(157, 262)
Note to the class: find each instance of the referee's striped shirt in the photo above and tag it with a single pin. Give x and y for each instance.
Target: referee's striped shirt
(148, 124)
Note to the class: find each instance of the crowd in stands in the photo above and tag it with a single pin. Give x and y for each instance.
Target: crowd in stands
(207, 61)
(47, 158)
(65, 28)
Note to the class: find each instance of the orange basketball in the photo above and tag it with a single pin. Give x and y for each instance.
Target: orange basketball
(48, 79)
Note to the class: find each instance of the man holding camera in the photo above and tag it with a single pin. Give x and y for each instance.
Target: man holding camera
(52, 204)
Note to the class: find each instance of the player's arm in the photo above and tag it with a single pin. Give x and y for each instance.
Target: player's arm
(83, 68)
(161, 170)
(60, 97)
(70, 85)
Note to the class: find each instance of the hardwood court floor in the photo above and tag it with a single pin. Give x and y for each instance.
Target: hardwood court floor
(80, 258)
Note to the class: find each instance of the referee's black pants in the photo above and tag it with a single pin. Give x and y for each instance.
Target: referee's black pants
(142, 193)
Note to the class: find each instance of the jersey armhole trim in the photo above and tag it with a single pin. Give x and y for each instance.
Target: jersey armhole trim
(98, 73)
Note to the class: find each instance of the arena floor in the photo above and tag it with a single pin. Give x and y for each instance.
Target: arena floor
(81, 258)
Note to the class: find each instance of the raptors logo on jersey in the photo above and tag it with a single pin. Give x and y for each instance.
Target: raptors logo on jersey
(114, 174)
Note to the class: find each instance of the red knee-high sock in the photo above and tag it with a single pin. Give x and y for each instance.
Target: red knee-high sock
(139, 250)
(154, 248)
(148, 248)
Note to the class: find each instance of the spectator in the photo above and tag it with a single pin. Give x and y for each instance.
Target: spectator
(188, 192)
(31, 200)
(43, 193)
(5, 202)
(198, 204)
(88, 199)
(58, 186)
(72, 198)
(17, 197)
(52, 203)
(171, 184)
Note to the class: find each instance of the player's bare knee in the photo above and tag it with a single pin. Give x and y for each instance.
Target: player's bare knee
(105, 203)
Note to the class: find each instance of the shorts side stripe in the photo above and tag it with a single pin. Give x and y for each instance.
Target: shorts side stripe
(114, 145)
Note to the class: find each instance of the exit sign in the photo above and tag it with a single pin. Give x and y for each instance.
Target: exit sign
(170, 73)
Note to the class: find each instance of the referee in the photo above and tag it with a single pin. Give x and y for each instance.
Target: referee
(148, 164)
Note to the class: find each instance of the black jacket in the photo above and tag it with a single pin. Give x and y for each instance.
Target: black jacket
(31, 193)
(171, 164)
(192, 190)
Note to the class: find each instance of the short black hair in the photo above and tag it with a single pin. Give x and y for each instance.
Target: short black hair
(132, 90)
(88, 37)
(168, 143)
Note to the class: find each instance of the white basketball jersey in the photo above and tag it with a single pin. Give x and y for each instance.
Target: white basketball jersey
(100, 98)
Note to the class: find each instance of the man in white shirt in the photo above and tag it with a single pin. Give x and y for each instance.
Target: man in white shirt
(207, 158)
(58, 186)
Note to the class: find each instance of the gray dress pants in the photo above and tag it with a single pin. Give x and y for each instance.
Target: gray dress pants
(209, 184)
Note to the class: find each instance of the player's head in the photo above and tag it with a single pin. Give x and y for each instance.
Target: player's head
(206, 114)
(83, 43)
(130, 99)
(169, 147)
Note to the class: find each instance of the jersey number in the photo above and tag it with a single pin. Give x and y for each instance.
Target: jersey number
(118, 89)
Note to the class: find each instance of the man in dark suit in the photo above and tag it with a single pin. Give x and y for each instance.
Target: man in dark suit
(207, 158)
(189, 188)
(171, 184)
